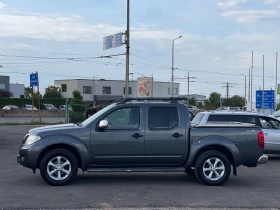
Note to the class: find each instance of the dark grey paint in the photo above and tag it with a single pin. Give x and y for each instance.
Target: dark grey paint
(107, 149)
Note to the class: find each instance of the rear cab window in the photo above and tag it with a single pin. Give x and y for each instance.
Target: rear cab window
(232, 118)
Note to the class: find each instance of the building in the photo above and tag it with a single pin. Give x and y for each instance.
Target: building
(198, 98)
(107, 91)
(5, 83)
(17, 90)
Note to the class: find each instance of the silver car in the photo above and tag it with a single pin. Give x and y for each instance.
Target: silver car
(268, 123)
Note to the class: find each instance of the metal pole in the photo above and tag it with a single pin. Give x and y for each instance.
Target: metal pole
(32, 104)
(249, 87)
(252, 81)
(263, 88)
(276, 85)
(172, 71)
(127, 52)
(245, 91)
(39, 108)
(188, 87)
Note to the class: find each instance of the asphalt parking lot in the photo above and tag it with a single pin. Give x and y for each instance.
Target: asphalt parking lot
(19, 188)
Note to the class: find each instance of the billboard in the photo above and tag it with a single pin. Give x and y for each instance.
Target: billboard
(145, 87)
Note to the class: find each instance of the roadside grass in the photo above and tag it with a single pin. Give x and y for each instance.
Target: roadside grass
(31, 123)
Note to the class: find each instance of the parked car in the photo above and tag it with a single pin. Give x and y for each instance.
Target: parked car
(269, 125)
(28, 107)
(276, 114)
(47, 107)
(192, 108)
(154, 136)
(63, 107)
(10, 107)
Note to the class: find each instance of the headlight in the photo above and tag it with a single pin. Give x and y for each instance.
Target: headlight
(32, 139)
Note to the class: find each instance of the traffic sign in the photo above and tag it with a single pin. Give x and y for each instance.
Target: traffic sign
(112, 41)
(267, 96)
(34, 80)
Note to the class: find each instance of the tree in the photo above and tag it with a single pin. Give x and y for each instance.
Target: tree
(28, 92)
(5, 94)
(77, 102)
(214, 99)
(199, 105)
(53, 92)
(237, 101)
(192, 101)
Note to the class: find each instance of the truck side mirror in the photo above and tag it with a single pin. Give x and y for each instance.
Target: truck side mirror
(103, 124)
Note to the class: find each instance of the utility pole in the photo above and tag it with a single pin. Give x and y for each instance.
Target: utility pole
(263, 88)
(227, 88)
(252, 66)
(245, 98)
(127, 52)
(276, 85)
(249, 87)
(189, 86)
(172, 68)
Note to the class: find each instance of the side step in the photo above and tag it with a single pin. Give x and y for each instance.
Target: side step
(130, 170)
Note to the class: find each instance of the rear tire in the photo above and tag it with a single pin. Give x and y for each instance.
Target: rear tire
(59, 167)
(212, 168)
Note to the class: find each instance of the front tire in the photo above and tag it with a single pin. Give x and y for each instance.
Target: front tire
(59, 167)
(212, 168)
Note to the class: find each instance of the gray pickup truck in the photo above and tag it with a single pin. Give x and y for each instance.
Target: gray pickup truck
(142, 135)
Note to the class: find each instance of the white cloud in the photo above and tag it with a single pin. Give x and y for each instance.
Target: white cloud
(2, 5)
(243, 16)
(230, 3)
(72, 28)
(272, 1)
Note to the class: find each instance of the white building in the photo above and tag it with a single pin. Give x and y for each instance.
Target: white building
(110, 90)
(198, 98)
(17, 90)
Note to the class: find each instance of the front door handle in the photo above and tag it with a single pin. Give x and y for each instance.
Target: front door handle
(177, 135)
(137, 135)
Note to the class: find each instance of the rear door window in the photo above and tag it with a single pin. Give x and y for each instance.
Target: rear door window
(163, 117)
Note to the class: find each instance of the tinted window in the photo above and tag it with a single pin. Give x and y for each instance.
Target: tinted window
(125, 118)
(232, 118)
(198, 118)
(163, 117)
(269, 123)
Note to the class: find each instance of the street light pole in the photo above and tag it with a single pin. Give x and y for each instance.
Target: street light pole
(172, 70)
(263, 88)
(245, 98)
(127, 52)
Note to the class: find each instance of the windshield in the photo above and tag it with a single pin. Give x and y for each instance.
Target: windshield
(198, 118)
(98, 114)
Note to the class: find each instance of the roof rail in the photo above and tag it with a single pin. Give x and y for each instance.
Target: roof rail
(170, 99)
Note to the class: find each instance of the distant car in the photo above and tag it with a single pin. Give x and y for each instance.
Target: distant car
(192, 108)
(10, 107)
(276, 114)
(28, 107)
(63, 107)
(47, 107)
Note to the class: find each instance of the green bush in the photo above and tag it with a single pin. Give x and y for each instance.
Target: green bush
(21, 101)
(75, 117)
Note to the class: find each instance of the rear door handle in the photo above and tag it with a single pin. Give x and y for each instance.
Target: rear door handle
(137, 135)
(177, 135)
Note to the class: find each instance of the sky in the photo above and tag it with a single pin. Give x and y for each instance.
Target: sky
(63, 39)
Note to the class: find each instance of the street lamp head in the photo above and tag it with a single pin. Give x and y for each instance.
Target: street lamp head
(180, 37)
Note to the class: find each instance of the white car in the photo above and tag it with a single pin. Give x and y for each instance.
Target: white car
(269, 125)
(28, 107)
(63, 107)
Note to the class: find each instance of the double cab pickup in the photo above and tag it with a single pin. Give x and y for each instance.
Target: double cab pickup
(142, 135)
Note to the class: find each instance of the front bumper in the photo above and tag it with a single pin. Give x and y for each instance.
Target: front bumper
(263, 159)
(28, 155)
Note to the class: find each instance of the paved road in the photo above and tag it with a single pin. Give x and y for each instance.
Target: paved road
(27, 120)
(19, 188)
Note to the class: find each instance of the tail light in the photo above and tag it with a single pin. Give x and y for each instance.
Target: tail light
(261, 139)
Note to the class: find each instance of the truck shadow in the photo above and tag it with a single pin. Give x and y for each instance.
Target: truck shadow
(155, 179)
